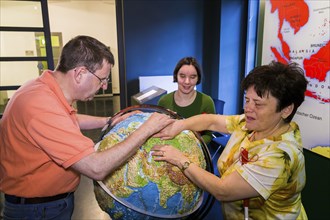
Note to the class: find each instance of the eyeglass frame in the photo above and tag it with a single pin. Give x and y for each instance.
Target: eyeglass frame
(103, 81)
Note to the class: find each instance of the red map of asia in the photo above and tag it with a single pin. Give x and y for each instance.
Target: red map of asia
(296, 13)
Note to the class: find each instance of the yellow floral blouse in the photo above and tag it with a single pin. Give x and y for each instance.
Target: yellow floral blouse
(276, 169)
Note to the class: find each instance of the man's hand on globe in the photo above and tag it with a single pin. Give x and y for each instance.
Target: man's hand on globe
(157, 122)
(121, 117)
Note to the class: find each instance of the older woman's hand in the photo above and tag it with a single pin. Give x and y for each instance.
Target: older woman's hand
(169, 154)
(169, 131)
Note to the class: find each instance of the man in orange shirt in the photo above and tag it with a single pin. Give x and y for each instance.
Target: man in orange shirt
(43, 152)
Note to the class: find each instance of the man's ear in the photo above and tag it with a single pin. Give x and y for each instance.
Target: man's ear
(287, 111)
(77, 74)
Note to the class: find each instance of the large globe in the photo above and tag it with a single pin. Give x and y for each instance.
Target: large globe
(146, 189)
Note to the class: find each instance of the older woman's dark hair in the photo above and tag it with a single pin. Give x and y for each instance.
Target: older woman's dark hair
(187, 61)
(286, 83)
(84, 51)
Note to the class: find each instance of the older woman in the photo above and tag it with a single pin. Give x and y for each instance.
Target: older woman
(263, 162)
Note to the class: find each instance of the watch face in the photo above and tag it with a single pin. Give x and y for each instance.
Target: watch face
(185, 165)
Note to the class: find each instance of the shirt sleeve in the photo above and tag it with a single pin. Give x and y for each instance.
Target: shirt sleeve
(235, 122)
(60, 138)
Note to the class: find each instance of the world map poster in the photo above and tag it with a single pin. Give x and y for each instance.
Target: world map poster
(298, 31)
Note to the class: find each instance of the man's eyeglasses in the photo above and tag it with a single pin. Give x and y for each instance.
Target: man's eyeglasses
(103, 81)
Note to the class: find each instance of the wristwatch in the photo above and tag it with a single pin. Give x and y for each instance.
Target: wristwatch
(185, 165)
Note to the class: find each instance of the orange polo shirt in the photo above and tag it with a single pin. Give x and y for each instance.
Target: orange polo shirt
(40, 139)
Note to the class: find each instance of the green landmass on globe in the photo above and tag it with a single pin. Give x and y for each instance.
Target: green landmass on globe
(174, 195)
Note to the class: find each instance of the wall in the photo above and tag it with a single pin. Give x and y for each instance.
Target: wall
(157, 35)
(233, 34)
